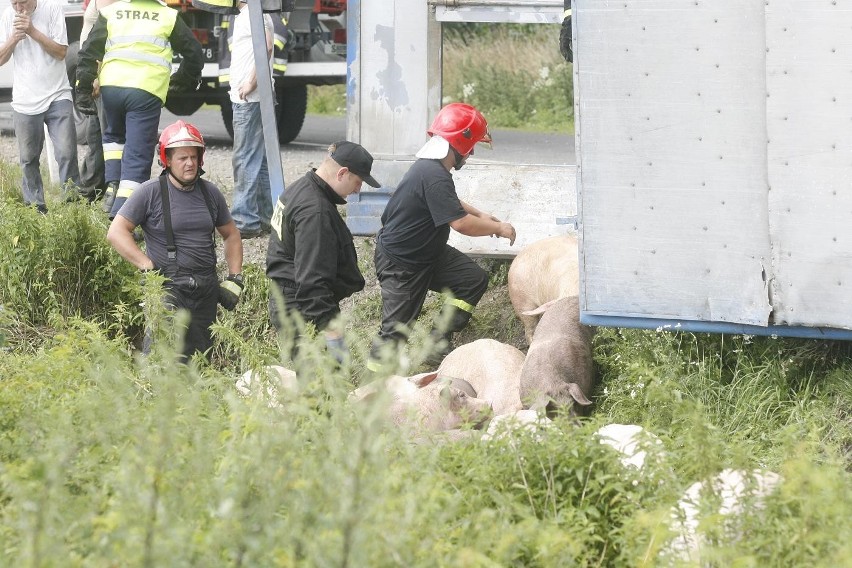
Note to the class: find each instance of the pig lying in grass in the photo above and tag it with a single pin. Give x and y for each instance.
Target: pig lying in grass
(428, 402)
(558, 372)
(545, 270)
(268, 382)
(492, 368)
(730, 494)
(631, 441)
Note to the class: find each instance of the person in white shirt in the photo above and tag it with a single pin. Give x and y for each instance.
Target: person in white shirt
(33, 35)
(252, 205)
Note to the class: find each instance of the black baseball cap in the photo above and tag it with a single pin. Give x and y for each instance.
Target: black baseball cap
(356, 158)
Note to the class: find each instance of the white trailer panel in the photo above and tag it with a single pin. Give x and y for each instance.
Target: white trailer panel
(809, 115)
(713, 150)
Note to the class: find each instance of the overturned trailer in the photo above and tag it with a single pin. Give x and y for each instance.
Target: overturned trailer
(711, 191)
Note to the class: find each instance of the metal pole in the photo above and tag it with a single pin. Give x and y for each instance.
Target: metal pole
(267, 98)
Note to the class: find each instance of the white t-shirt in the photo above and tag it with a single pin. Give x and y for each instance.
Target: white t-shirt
(242, 55)
(38, 77)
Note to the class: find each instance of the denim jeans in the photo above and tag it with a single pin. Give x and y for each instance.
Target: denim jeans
(252, 206)
(29, 130)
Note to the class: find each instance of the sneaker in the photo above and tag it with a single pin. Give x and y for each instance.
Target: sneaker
(251, 234)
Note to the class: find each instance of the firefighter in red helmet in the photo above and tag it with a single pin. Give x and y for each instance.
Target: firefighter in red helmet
(412, 255)
(178, 212)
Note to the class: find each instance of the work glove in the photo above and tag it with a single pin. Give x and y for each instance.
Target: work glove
(85, 103)
(230, 290)
(182, 83)
(336, 347)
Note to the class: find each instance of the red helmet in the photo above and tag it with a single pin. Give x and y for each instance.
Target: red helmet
(177, 135)
(462, 126)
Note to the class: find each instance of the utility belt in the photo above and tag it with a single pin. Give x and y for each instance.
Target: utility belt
(186, 281)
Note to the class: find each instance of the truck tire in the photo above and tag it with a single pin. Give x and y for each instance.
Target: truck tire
(291, 109)
(228, 117)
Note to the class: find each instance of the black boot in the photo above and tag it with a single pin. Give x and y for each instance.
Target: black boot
(442, 344)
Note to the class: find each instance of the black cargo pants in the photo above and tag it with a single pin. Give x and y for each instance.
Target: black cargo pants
(198, 293)
(404, 291)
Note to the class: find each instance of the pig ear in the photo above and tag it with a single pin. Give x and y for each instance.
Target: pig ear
(577, 394)
(541, 309)
(423, 379)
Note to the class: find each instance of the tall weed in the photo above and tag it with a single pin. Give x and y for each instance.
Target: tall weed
(61, 265)
(514, 74)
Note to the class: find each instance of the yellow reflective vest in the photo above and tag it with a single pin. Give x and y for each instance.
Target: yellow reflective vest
(137, 51)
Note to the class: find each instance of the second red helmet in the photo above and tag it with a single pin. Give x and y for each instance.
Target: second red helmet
(462, 126)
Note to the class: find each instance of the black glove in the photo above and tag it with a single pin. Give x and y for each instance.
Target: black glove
(566, 47)
(182, 83)
(230, 290)
(85, 103)
(336, 347)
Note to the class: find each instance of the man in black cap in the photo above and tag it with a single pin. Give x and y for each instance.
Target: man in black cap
(311, 256)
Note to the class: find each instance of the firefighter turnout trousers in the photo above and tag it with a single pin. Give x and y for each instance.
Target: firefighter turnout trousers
(404, 291)
(130, 138)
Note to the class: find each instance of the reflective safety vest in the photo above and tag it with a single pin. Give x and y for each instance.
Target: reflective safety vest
(279, 47)
(137, 51)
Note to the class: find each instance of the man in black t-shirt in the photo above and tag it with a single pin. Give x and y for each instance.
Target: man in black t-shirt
(412, 255)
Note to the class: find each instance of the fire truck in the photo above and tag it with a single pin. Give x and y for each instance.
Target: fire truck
(310, 49)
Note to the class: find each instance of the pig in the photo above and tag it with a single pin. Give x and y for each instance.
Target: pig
(558, 372)
(731, 487)
(545, 270)
(629, 440)
(427, 402)
(505, 425)
(275, 377)
(492, 368)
